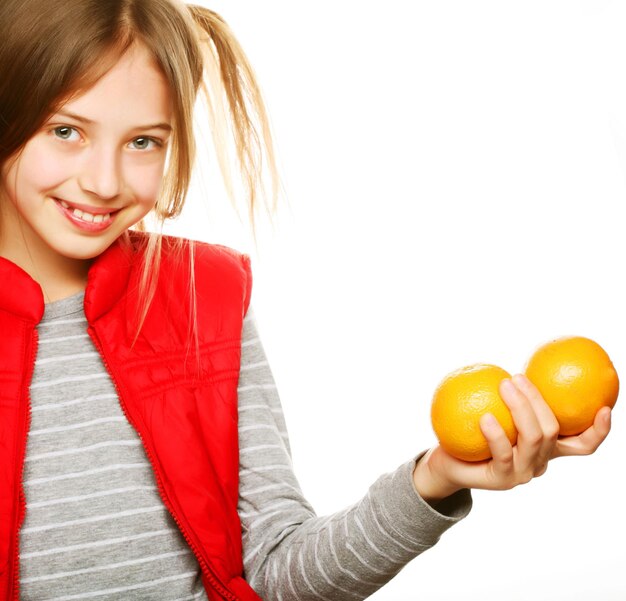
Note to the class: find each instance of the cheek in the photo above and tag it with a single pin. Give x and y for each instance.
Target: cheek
(146, 184)
(37, 170)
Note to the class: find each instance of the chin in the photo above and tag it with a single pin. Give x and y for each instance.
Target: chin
(84, 251)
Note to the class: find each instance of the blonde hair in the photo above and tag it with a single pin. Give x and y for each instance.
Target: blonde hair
(53, 50)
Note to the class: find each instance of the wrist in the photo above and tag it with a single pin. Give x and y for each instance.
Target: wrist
(430, 484)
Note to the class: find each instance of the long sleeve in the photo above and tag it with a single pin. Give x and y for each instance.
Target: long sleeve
(290, 553)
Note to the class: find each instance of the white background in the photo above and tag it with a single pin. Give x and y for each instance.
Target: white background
(455, 174)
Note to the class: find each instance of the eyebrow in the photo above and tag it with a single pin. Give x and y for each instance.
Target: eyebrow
(164, 126)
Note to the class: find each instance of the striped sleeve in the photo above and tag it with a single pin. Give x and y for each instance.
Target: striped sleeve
(289, 552)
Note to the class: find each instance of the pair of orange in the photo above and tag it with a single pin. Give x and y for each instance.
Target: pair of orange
(574, 375)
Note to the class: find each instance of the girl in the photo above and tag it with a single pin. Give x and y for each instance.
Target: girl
(143, 452)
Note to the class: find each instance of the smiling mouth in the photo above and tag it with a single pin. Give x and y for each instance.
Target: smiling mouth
(85, 215)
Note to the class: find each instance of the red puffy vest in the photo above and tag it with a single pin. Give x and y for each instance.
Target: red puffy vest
(178, 389)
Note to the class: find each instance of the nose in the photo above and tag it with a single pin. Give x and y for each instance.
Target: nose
(100, 173)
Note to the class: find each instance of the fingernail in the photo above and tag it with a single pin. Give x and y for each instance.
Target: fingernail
(519, 379)
(488, 420)
(507, 385)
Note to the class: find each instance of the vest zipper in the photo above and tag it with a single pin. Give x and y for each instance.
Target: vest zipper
(21, 501)
(217, 585)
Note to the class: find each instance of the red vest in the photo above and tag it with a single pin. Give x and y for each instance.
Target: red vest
(182, 404)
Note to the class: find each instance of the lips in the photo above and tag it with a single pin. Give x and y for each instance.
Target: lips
(86, 212)
(92, 219)
(84, 215)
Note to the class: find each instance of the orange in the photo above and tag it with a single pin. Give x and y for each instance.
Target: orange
(461, 398)
(576, 378)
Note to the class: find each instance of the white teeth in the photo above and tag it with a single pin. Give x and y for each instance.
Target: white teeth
(89, 217)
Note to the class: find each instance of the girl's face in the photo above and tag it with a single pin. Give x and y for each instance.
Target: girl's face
(93, 170)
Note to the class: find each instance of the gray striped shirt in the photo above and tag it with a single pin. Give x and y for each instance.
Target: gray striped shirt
(96, 528)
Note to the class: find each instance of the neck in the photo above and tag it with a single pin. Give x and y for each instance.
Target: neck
(58, 279)
(58, 276)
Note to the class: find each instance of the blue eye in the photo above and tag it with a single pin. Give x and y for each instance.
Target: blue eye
(63, 132)
(144, 143)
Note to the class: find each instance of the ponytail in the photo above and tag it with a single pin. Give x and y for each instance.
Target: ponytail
(229, 76)
(240, 129)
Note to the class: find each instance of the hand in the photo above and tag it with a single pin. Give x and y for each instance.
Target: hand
(438, 474)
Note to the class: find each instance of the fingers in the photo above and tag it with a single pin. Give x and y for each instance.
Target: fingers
(543, 441)
(537, 427)
(546, 418)
(501, 467)
(537, 435)
(587, 442)
(536, 444)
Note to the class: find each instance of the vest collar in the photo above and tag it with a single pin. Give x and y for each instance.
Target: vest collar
(107, 282)
(20, 295)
